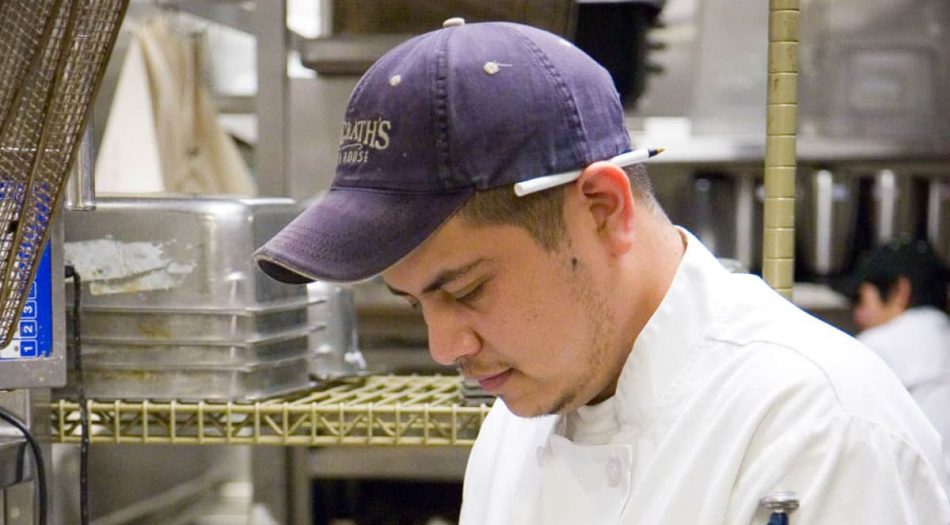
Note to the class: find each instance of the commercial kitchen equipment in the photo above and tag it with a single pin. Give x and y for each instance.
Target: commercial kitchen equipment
(54, 53)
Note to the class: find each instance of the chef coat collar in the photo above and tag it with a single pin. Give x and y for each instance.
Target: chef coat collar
(670, 337)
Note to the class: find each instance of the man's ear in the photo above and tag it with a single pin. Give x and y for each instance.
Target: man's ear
(604, 192)
(900, 294)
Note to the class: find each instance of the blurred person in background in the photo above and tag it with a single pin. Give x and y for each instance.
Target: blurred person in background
(900, 305)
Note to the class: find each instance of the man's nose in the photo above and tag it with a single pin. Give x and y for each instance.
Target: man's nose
(450, 338)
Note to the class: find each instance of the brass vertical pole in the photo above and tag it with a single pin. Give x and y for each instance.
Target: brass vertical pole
(778, 247)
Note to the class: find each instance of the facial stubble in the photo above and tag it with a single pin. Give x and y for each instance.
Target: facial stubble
(594, 354)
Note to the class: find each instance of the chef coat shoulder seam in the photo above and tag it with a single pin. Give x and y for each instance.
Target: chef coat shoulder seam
(817, 367)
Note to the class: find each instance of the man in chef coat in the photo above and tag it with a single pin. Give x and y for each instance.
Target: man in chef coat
(900, 301)
(638, 380)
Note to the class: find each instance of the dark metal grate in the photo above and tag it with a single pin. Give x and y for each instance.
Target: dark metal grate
(52, 56)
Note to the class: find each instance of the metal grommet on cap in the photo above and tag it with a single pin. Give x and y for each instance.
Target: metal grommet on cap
(455, 21)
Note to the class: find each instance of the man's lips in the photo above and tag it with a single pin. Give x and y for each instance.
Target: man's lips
(493, 383)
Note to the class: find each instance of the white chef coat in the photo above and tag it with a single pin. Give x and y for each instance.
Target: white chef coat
(916, 345)
(729, 391)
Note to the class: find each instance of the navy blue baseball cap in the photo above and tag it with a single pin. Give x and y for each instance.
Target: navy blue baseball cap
(445, 114)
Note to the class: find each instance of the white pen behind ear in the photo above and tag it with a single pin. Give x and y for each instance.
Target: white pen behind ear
(535, 185)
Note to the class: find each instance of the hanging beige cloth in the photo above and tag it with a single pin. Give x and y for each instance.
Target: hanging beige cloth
(176, 123)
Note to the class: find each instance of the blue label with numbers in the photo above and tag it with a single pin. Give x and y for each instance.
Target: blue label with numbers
(34, 337)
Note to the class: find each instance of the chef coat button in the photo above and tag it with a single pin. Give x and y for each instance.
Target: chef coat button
(455, 21)
(540, 456)
(614, 472)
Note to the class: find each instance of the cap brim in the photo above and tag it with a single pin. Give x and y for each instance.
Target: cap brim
(351, 234)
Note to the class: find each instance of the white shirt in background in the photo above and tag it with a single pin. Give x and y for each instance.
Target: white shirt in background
(916, 345)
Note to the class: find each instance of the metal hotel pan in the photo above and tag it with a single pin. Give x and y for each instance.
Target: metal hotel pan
(151, 354)
(248, 382)
(177, 252)
(196, 324)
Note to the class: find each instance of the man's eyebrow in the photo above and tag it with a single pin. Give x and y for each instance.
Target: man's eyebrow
(444, 277)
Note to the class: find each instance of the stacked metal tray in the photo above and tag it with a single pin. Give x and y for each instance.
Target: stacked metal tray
(172, 306)
(335, 350)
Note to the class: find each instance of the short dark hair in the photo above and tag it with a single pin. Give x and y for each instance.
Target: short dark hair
(916, 261)
(542, 213)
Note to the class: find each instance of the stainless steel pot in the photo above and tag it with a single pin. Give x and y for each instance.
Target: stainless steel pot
(938, 216)
(725, 212)
(826, 211)
(895, 206)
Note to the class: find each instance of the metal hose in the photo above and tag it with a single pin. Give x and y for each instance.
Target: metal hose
(778, 247)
